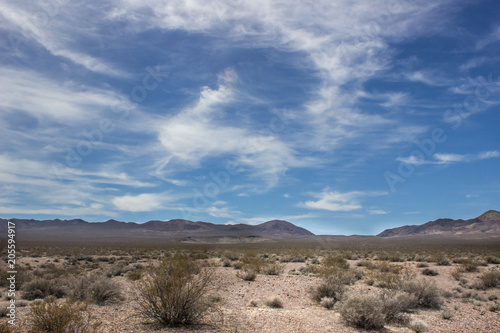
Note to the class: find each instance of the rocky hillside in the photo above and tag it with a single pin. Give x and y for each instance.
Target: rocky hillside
(486, 224)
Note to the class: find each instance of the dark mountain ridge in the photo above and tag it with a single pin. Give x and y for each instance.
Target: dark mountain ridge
(177, 228)
(487, 224)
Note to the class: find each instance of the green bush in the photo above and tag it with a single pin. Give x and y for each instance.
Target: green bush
(174, 292)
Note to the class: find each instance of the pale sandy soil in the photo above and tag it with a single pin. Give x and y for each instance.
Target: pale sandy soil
(299, 313)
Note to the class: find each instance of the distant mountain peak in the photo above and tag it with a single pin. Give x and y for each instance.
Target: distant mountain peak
(485, 224)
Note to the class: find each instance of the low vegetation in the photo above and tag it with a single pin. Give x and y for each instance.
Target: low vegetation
(173, 292)
(50, 316)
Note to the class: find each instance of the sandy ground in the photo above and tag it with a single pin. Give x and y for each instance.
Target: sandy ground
(299, 313)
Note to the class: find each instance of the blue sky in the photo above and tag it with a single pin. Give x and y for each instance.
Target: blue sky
(344, 117)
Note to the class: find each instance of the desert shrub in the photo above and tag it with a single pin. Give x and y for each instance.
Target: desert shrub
(273, 269)
(253, 303)
(5, 327)
(274, 302)
(329, 287)
(457, 273)
(490, 279)
(418, 326)
(53, 317)
(120, 268)
(397, 303)
(226, 262)
(94, 288)
(335, 261)
(3, 309)
(174, 292)
(363, 310)
(344, 276)
(327, 302)
(214, 297)
(246, 275)
(446, 314)
(309, 269)
(252, 262)
(429, 272)
(237, 265)
(365, 263)
(442, 260)
(493, 260)
(422, 265)
(469, 265)
(135, 274)
(41, 288)
(427, 294)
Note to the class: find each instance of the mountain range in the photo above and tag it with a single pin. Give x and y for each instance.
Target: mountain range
(485, 225)
(178, 229)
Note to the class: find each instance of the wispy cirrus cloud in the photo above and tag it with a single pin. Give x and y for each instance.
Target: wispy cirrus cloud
(443, 158)
(52, 25)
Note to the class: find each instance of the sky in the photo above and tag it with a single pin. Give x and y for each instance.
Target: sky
(342, 117)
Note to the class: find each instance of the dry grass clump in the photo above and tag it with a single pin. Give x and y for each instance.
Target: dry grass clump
(361, 309)
(274, 302)
(5, 327)
(95, 288)
(330, 287)
(272, 269)
(252, 262)
(247, 275)
(41, 288)
(469, 265)
(396, 304)
(490, 279)
(174, 292)
(335, 261)
(328, 302)
(442, 260)
(427, 294)
(53, 317)
(418, 326)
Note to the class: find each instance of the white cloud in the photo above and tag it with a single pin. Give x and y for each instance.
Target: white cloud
(378, 212)
(144, 202)
(50, 25)
(488, 154)
(345, 43)
(337, 201)
(199, 132)
(444, 158)
(493, 37)
(261, 219)
(223, 212)
(51, 101)
(449, 158)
